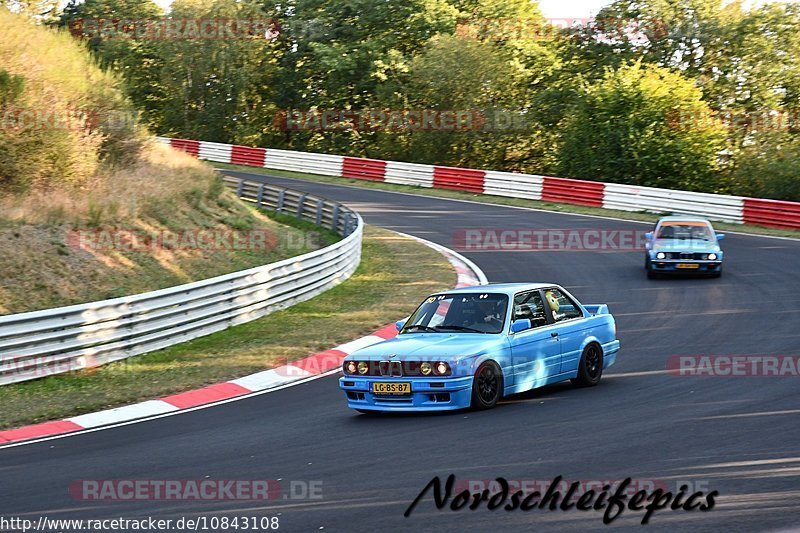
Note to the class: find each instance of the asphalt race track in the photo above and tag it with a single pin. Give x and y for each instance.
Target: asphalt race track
(737, 435)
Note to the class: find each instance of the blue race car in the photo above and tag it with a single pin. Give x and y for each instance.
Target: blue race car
(469, 347)
(683, 244)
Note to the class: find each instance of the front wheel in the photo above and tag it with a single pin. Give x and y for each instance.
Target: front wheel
(487, 386)
(590, 367)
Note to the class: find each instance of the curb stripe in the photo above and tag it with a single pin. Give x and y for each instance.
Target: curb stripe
(213, 393)
(118, 414)
(38, 430)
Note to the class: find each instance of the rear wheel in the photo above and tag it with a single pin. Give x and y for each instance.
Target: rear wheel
(487, 386)
(590, 367)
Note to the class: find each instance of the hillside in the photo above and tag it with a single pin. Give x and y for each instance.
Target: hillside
(89, 207)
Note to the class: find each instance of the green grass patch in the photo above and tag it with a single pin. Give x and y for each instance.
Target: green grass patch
(501, 200)
(382, 290)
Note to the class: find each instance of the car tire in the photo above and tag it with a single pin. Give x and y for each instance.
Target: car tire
(717, 274)
(590, 367)
(647, 261)
(651, 274)
(487, 387)
(368, 412)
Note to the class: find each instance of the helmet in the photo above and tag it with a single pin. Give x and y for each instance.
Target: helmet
(552, 300)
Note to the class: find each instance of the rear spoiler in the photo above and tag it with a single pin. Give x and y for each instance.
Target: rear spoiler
(597, 309)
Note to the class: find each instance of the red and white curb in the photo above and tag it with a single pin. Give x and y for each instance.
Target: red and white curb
(300, 371)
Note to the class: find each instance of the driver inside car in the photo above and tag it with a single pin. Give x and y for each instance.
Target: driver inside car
(490, 310)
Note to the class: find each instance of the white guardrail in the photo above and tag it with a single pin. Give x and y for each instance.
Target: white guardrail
(616, 196)
(54, 341)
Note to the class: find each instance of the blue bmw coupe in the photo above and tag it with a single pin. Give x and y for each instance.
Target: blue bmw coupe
(469, 347)
(683, 244)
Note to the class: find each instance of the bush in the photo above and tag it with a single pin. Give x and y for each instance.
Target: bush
(769, 168)
(61, 116)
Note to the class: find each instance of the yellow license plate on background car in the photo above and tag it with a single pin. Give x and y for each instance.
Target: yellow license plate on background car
(391, 388)
(688, 265)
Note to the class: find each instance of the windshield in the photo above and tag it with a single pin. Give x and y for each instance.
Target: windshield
(697, 231)
(472, 313)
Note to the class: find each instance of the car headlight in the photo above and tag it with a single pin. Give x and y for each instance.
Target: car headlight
(661, 255)
(712, 257)
(441, 368)
(350, 367)
(363, 367)
(426, 368)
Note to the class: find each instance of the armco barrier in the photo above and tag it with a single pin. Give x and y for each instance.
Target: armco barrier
(736, 209)
(513, 185)
(458, 179)
(364, 169)
(241, 155)
(409, 174)
(569, 191)
(54, 341)
(633, 198)
(772, 213)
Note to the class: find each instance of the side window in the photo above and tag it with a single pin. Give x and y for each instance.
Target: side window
(530, 305)
(561, 307)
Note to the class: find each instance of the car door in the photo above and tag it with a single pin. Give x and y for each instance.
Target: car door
(535, 352)
(570, 325)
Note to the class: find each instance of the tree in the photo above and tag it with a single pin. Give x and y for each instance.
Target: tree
(767, 168)
(136, 61)
(643, 125)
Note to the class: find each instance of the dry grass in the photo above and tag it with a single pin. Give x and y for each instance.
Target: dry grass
(165, 192)
(113, 195)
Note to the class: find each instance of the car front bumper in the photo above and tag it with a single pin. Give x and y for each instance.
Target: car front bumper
(433, 394)
(671, 265)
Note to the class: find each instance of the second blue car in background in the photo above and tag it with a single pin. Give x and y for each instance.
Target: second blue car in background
(683, 244)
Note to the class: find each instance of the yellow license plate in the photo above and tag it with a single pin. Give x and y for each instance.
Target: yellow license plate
(391, 388)
(688, 265)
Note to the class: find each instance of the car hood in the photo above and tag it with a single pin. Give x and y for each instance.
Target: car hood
(684, 245)
(434, 345)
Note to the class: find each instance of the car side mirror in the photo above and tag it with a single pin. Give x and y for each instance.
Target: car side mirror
(521, 325)
(399, 324)
(720, 236)
(648, 235)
